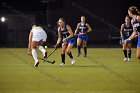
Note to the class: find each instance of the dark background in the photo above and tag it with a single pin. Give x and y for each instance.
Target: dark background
(104, 16)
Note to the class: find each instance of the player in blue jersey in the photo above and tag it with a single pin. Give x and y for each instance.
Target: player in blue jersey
(135, 14)
(82, 28)
(125, 32)
(65, 35)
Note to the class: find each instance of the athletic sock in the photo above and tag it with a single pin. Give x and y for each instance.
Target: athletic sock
(79, 49)
(63, 58)
(129, 53)
(85, 50)
(42, 49)
(125, 53)
(70, 55)
(34, 54)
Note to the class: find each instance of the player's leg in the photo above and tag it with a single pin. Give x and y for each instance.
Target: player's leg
(79, 41)
(68, 50)
(125, 51)
(64, 46)
(129, 51)
(34, 45)
(85, 39)
(138, 52)
(42, 49)
(85, 47)
(42, 37)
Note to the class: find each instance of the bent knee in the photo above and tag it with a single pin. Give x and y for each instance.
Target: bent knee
(138, 56)
(68, 52)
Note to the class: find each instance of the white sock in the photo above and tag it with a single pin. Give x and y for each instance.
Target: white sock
(34, 54)
(41, 48)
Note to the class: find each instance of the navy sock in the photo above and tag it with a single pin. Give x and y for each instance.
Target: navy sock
(129, 53)
(125, 53)
(85, 50)
(70, 55)
(63, 58)
(79, 49)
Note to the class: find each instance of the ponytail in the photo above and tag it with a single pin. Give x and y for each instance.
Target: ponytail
(134, 10)
(138, 12)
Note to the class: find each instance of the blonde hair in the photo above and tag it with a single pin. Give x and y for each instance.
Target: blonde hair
(134, 10)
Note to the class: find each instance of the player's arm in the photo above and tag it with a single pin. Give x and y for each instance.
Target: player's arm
(29, 43)
(70, 31)
(89, 28)
(77, 29)
(121, 30)
(133, 35)
(138, 18)
(59, 38)
(134, 30)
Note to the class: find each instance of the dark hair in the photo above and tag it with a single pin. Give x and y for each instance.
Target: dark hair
(134, 10)
(83, 16)
(127, 16)
(35, 23)
(62, 19)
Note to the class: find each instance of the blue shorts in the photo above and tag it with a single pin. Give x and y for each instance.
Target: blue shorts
(138, 43)
(83, 37)
(124, 38)
(71, 40)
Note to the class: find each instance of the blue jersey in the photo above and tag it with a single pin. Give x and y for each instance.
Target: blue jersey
(82, 28)
(64, 34)
(127, 31)
(136, 26)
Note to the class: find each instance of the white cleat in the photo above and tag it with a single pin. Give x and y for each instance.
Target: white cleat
(72, 61)
(128, 59)
(125, 59)
(62, 64)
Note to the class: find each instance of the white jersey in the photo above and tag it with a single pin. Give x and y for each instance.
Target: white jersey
(38, 34)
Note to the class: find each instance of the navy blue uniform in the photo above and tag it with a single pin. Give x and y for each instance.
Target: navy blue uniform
(64, 34)
(83, 29)
(126, 33)
(136, 26)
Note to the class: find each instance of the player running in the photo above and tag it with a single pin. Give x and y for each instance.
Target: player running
(125, 32)
(37, 37)
(65, 35)
(135, 14)
(82, 28)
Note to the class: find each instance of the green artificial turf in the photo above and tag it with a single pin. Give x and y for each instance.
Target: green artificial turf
(102, 71)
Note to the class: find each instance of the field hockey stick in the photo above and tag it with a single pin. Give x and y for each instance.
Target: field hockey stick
(52, 62)
(122, 42)
(51, 53)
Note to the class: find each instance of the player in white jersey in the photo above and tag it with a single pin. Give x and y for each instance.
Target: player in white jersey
(37, 37)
